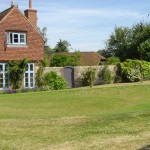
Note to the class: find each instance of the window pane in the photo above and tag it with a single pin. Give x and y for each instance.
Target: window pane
(26, 85)
(1, 76)
(26, 75)
(11, 39)
(31, 67)
(22, 40)
(31, 75)
(1, 67)
(16, 38)
(1, 81)
(26, 79)
(22, 36)
(6, 76)
(6, 81)
(6, 67)
(1, 85)
(31, 79)
(31, 84)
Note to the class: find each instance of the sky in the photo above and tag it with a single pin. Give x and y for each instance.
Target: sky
(85, 24)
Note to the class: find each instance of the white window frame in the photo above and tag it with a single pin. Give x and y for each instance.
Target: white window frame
(3, 72)
(19, 34)
(29, 72)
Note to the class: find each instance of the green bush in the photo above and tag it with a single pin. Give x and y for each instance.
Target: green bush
(134, 70)
(68, 59)
(112, 61)
(89, 76)
(39, 76)
(54, 82)
(106, 75)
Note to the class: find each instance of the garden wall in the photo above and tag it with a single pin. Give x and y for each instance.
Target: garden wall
(77, 73)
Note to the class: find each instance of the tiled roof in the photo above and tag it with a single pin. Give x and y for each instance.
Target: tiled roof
(90, 59)
(86, 58)
(4, 13)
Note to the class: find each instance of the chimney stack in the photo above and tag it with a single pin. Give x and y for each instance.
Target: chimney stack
(31, 14)
(30, 4)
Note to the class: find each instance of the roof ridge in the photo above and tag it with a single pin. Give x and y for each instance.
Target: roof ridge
(4, 13)
(5, 10)
(9, 10)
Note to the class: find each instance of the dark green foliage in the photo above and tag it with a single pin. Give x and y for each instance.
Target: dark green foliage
(106, 75)
(45, 61)
(129, 43)
(66, 60)
(54, 82)
(145, 70)
(135, 70)
(39, 76)
(62, 46)
(104, 53)
(74, 59)
(112, 61)
(16, 72)
(89, 77)
(130, 70)
(144, 50)
(59, 61)
(47, 50)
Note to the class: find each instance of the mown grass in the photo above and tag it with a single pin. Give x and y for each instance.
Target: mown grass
(99, 118)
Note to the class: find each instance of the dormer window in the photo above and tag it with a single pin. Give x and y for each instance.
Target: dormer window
(15, 38)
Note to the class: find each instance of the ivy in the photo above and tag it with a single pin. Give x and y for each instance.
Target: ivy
(16, 72)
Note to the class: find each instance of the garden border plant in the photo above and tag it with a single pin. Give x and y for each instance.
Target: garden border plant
(16, 72)
(106, 74)
(134, 70)
(89, 77)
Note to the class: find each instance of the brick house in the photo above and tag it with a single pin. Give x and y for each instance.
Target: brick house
(19, 39)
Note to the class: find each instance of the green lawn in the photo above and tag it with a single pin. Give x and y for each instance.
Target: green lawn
(101, 118)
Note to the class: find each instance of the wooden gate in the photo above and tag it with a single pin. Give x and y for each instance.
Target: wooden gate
(69, 76)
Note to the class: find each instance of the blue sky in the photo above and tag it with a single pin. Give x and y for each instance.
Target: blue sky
(85, 24)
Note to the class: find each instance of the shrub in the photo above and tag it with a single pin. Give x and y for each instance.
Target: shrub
(54, 82)
(135, 70)
(130, 70)
(112, 61)
(39, 76)
(67, 59)
(89, 76)
(106, 75)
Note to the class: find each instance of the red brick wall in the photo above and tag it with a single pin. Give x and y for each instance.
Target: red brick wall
(15, 21)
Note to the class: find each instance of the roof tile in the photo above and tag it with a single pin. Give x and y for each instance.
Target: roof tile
(4, 13)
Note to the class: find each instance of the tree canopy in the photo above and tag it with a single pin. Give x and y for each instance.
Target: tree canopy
(61, 60)
(62, 46)
(129, 43)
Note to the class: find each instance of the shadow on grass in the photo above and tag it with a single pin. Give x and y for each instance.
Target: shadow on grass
(145, 148)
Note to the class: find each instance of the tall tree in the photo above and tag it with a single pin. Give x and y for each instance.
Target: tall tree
(125, 43)
(43, 33)
(62, 46)
(119, 42)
